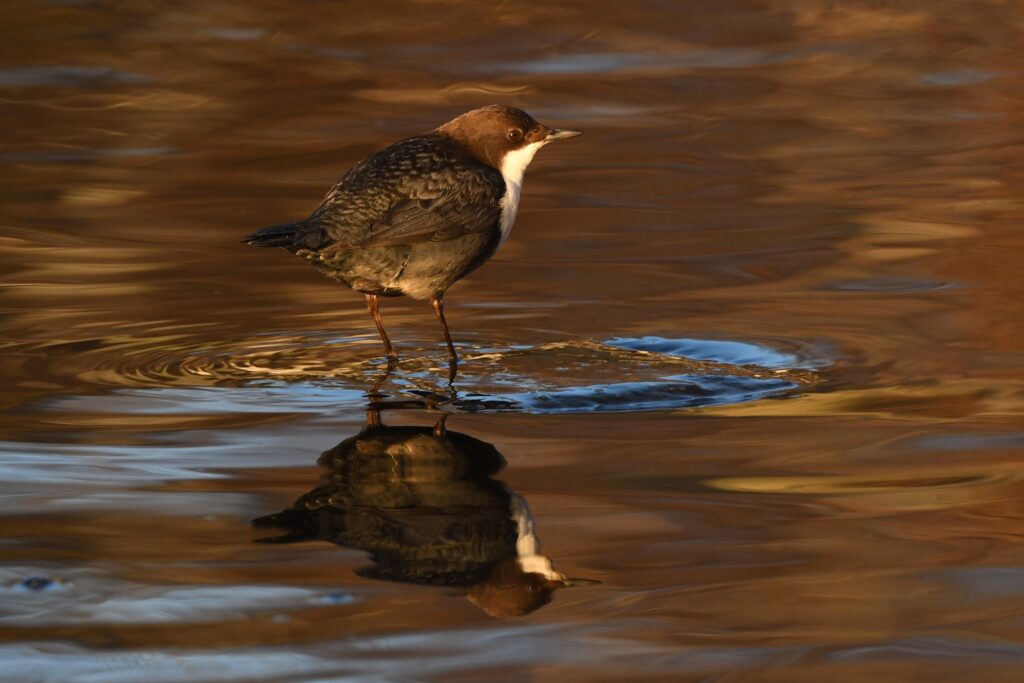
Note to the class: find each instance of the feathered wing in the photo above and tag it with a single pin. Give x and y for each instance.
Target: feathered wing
(473, 207)
(414, 191)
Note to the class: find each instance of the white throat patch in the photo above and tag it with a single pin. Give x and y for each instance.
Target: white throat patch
(512, 168)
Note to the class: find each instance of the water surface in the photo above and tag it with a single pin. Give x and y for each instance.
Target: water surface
(745, 381)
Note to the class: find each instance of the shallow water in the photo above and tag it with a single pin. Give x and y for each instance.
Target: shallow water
(746, 380)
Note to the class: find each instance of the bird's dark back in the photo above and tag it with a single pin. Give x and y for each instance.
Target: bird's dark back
(423, 167)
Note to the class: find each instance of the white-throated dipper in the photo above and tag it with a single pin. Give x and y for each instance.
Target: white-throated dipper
(419, 215)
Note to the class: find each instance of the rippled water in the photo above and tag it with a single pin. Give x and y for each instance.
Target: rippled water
(741, 398)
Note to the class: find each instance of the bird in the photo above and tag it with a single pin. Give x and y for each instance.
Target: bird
(421, 214)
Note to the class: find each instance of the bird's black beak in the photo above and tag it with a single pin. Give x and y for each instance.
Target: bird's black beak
(561, 134)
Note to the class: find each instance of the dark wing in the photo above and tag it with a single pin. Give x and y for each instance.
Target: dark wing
(470, 202)
(418, 190)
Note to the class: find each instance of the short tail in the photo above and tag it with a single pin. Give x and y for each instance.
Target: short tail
(274, 236)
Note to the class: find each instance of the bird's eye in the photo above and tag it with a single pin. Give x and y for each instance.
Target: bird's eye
(514, 134)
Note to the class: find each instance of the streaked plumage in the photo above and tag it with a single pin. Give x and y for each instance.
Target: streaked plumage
(423, 213)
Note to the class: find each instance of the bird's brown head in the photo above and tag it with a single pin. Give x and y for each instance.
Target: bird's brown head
(504, 138)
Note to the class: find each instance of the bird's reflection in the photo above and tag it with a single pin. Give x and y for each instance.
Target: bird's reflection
(423, 503)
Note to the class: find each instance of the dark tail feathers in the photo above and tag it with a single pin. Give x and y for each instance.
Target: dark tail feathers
(274, 236)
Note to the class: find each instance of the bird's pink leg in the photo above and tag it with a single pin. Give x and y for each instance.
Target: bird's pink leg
(453, 358)
(372, 304)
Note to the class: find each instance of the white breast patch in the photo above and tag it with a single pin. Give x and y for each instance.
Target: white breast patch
(512, 168)
(528, 554)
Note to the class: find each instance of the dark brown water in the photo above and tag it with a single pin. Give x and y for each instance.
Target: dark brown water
(751, 360)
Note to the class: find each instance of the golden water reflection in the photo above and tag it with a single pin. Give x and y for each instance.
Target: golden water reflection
(422, 502)
(757, 339)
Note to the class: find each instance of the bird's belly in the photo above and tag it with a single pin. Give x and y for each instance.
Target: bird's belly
(418, 270)
(435, 266)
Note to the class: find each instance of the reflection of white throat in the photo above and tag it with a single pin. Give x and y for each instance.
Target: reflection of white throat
(513, 166)
(528, 545)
